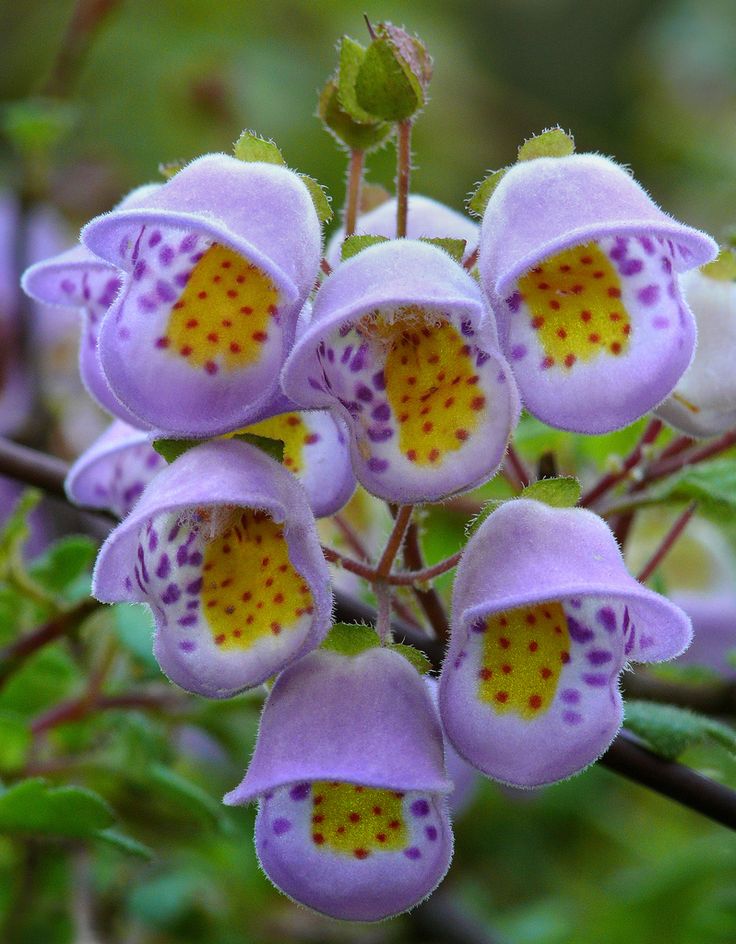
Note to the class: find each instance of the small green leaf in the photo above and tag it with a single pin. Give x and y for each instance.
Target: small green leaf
(64, 562)
(320, 198)
(191, 797)
(32, 806)
(355, 244)
(554, 142)
(453, 247)
(352, 55)
(171, 449)
(272, 447)
(252, 147)
(385, 85)
(562, 492)
(169, 169)
(16, 529)
(670, 730)
(478, 200)
(346, 130)
(415, 656)
(350, 639)
(125, 843)
(723, 267)
(15, 742)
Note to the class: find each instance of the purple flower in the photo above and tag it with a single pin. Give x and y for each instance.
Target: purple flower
(580, 266)
(78, 279)
(714, 630)
(426, 219)
(217, 263)
(704, 401)
(115, 470)
(402, 348)
(15, 393)
(545, 617)
(464, 777)
(348, 770)
(223, 547)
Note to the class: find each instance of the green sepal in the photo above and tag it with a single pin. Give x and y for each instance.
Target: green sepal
(562, 492)
(670, 730)
(414, 656)
(553, 142)
(350, 639)
(352, 56)
(171, 449)
(252, 147)
(453, 247)
(355, 244)
(385, 85)
(320, 198)
(723, 267)
(357, 136)
(478, 200)
(169, 169)
(412, 50)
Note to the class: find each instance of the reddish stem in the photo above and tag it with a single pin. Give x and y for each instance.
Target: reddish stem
(607, 482)
(355, 181)
(667, 542)
(402, 177)
(515, 469)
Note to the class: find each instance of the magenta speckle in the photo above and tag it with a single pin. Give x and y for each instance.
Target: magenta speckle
(518, 352)
(571, 696)
(377, 465)
(420, 808)
(649, 295)
(281, 826)
(413, 853)
(300, 791)
(571, 717)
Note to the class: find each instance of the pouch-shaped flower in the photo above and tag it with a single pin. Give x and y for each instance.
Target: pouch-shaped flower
(217, 265)
(222, 546)
(402, 347)
(704, 401)
(714, 630)
(78, 279)
(114, 471)
(545, 617)
(580, 266)
(426, 219)
(349, 774)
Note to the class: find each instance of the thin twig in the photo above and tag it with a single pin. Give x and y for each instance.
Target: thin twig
(75, 709)
(607, 482)
(515, 469)
(667, 542)
(355, 182)
(396, 538)
(403, 175)
(428, 599)
(470, 260)
(325, 266)
(661, 469)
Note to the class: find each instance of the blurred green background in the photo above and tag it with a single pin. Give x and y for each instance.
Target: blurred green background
(651, 82)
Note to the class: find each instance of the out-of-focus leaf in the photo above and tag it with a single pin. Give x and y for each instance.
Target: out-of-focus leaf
(134, 627)
(670, 730)
(32, 806)
(63, 562)
(712, 485)
(190, 797)
(124, 843)
(15, 742)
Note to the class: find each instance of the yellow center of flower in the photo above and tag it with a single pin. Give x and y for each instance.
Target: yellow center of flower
(250, 588)
(357, 820)
(291, 429)
(431, 384)
(522, 657)
(223, 316)
(574, 302)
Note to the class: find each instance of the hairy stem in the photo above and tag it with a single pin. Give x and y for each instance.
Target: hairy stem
(355, 183)
(403, 175)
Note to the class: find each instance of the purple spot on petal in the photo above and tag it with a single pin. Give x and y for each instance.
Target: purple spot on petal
(164, 291)
(420, 808)
(155, 239)
(666, 264)
(518, 352)
(358, 362)
(377, 465)
(195, 559)
(649, 295)
(139, 270)
(647, 245)
(164, 567)
(146, 303)
(379, 380)
(514, 301)
(431, 833)
(413, 853)
(364, 393)
(571, 717)
(195, 586)
(595, 680)
(315, 384)
(188, 243)
(166, 255)
(67, 286)
(171, 594)
(281, 826)
(571, 696)
(599, 656)
(382, 412)
(607, 618)
(186, 645)
(380, 435)
(631, 266)
(660, 322)
(300, 791)
(346, 354)
(189, 620)
(578, 632)
(182, 555)
(646, 642)
(152, 541)
(479, 626)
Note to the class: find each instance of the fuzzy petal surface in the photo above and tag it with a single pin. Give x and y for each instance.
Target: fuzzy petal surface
(218, 265)
(115, 470)
(704, 401)
(545, 617)
(402, 348)
(222, 545)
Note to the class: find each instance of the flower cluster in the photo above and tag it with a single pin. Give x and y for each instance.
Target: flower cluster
(208, 320)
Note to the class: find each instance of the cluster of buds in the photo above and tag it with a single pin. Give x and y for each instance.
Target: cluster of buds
(208, 320)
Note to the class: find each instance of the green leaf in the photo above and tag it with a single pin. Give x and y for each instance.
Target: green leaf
(125, 843)
(252, 147)
(670, 730)
(320, 198)
(171, 449)
(32, 806)
(37, 125)
(562, 492)
(711, 484)
(385, 85)
(350, 639)
(415, 656)
(272, 447)
(723, 267)
(355, 244)
(478, 200)
(15, 742)
(554, 142)
(15, 531)
(64, 562)
(356, 136)
(453, 247)
(178, 789)
(134, 627)
(352, 55)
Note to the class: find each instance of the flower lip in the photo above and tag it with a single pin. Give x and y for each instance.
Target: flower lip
(582, 197)
(309, 724)
(39, 280)
(174, 205)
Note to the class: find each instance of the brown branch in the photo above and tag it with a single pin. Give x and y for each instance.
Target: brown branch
(667, 543)
(75, 709)
(355, 180)
(605, 484)
(87, 18)
(403, 174)
(515, 470)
